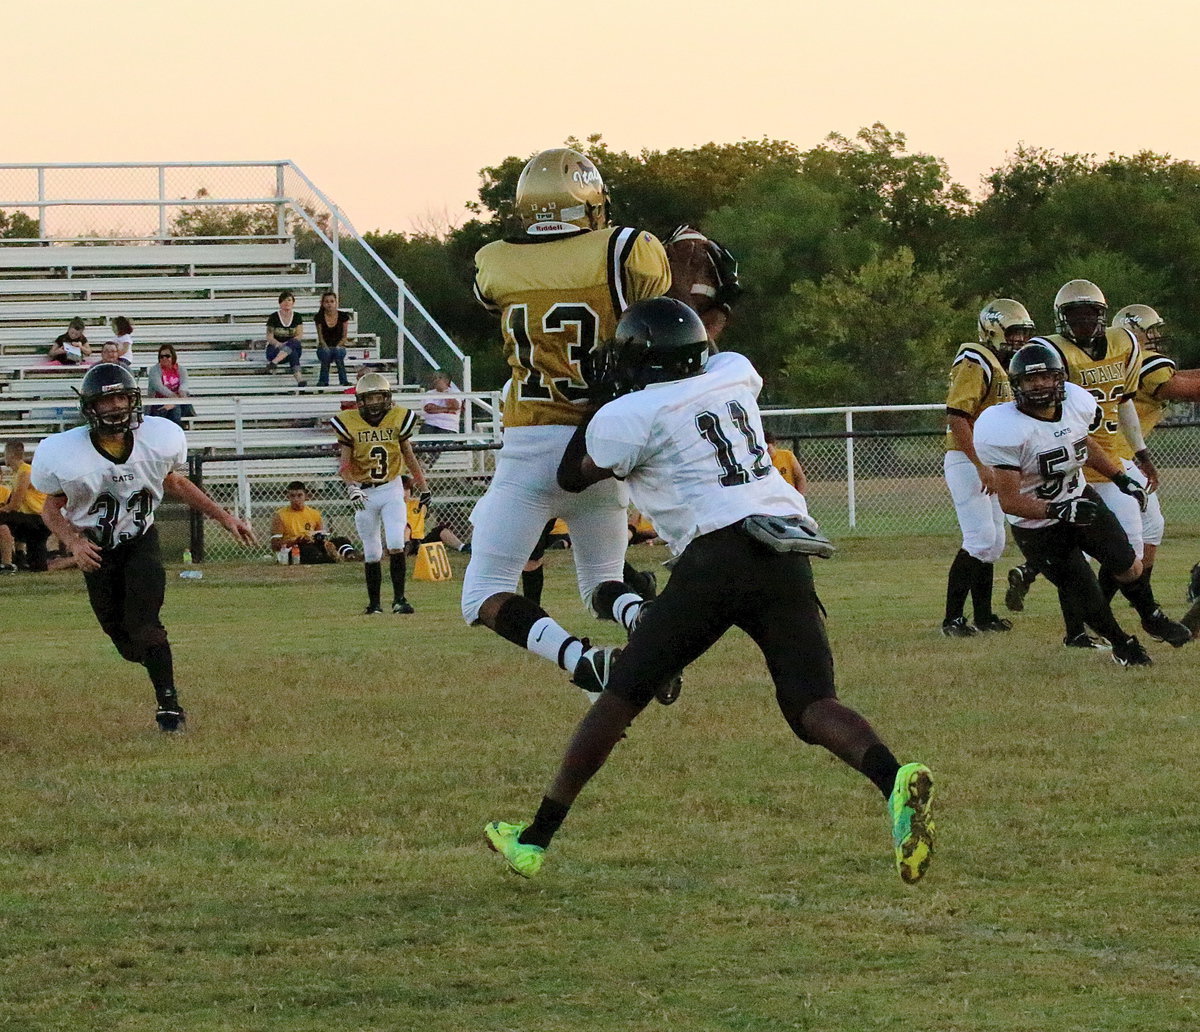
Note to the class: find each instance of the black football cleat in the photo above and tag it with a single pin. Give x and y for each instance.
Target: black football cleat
(1161, 627)
(402, 605)
(1129, 653)
(170, 718)
(958, 628)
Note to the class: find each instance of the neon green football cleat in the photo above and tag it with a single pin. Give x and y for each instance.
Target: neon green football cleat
(910, 807)
(523, 859)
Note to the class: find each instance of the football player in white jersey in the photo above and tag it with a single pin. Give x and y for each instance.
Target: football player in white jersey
(1108, 363)
(1037, 446)
(104, 482)
(685, 432)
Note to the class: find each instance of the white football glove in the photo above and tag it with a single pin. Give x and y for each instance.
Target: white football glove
(357, 496)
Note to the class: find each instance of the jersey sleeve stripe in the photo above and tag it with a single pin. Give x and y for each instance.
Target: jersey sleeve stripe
(1055, 348)
(408, 425)
(483, 299)
(971, 355)
(339, 428)
(619, 246)
(1153, 365)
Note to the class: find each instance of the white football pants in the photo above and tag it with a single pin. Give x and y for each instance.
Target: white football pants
(979, 515)
(522, 497)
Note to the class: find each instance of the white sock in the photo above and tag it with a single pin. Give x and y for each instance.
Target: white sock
(626, 609)
(553, 642)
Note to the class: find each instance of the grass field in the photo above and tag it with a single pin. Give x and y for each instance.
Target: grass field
(309, 856)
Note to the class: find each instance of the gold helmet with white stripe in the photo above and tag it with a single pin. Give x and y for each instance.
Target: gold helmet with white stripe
(1004, 326)
(373, 393)
(560, 191)
(1147, 325)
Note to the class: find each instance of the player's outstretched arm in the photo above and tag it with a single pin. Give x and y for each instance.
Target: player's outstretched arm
(576, 471)
(180, 487)
(85, 551)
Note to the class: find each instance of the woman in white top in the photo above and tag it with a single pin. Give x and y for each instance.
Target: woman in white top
(123, 330)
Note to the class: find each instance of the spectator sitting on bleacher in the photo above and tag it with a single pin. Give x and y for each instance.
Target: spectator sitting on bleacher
(168, 379)
(285, 332)
(72, 347)
(332, 328)
(123, 329)
(110, 352)
(298, 525)
(21, 511)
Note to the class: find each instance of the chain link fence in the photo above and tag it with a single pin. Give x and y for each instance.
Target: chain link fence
(897, 486)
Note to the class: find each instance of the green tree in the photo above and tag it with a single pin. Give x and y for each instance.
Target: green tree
(878, 335)
(16, 225)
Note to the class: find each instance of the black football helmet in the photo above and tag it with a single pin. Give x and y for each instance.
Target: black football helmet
(1037, 358)
(110, 380)
(657, 340)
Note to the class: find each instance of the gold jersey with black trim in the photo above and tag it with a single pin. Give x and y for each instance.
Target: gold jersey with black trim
(1110, 379)
(375, 456)
(977, 382)
(557, 300)
(1157, 369)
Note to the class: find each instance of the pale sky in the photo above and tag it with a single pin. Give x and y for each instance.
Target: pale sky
(392, 108)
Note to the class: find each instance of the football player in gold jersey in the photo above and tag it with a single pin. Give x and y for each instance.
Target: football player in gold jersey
(1107, 362)
(978, 380)
(1159, 383)
(373, 441)
(559, 285)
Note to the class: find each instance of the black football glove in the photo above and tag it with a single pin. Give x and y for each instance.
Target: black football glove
(1127, 485)
(729, 287)
(1080, 511)
(424, 499)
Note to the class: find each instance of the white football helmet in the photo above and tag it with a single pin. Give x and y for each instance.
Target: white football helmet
(560, 191)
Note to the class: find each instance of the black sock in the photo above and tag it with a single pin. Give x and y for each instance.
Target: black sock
(1108, 584)
(161, 668)
(1140, 596)
(532, 582)
(546, 822)
(374, 575)
(396, 566)
(958, 584)
(981, 591)
(881, 767)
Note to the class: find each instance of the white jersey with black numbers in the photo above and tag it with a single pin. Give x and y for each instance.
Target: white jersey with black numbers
(693, 452)
(110, 500)
(1048, 453)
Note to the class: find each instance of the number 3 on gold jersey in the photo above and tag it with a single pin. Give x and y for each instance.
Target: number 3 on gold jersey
(558, 364)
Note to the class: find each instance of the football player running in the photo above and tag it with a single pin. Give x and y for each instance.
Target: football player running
(1036, 445)
(104, 482)
(978, 380)
(1107, 362)
(559, 286)
(685, 431)
(375, 450)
